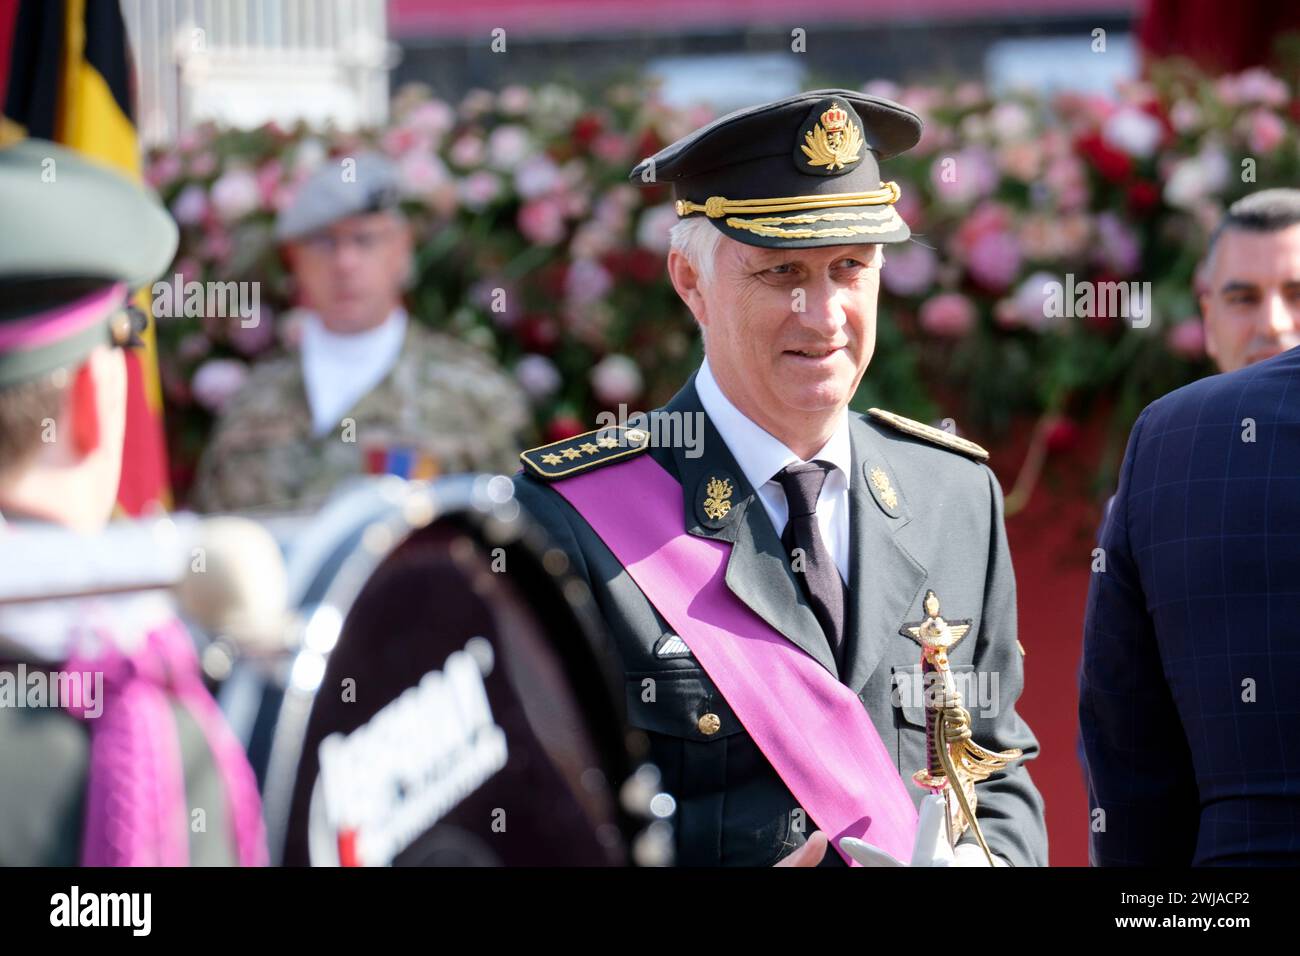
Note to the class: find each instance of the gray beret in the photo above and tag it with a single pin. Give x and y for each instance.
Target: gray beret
(336, 191)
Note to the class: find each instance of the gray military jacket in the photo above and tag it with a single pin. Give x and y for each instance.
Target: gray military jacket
(930, 520)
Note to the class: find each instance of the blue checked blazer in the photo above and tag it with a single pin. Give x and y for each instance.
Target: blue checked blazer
(1188, 700)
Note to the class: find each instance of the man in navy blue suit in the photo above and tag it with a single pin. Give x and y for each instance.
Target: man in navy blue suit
(1188, 699)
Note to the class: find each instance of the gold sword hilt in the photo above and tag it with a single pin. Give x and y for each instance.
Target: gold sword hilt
(954, 762)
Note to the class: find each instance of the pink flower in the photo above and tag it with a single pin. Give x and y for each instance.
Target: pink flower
(1010, 121)
(191, 206)
(586, 281)
(1196, 178)
(421, 174)
(909, 269)
(203, 165)
(163, 170)
(432, 117)
(536, 176)
(508, 146)
(467, 151)
(515, 100)
(652, 231)
(994, 260)
(235, 194)
(216, 382)
(256, 337)
(538, 376)
(1022, 160)
(1265, 131)
(400, 140)
(268, 182)
(616, 378)
(1117, 245)
(478, 189)
(542, 221)
(949, 314)
(964, 177)
(1132, 131)
(1187, 339)
(1256, 85)
(611, 148)
(1185, 116)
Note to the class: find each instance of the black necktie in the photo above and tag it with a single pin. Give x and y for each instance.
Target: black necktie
(820, 578)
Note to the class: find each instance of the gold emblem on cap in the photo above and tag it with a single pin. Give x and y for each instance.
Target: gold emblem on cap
(709, 724)
(834, 141)
(883, 487)
(716, 503)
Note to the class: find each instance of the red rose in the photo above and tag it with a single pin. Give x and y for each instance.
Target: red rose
(1062, 435)
(586, 128)
(563, 426)
(1110, 162)
(1142, 196)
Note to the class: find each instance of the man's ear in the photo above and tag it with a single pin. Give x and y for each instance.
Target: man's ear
(687, 283)
(83, 405)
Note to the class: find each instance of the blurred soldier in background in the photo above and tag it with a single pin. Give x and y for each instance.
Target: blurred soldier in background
(114, 752)
(1250, 297)
(372, 391)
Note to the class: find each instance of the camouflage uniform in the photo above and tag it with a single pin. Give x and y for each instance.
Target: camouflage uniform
(442, 408)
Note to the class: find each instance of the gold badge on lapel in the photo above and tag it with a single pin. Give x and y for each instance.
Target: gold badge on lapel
(834, 142)
(880, 481)
(717, 495)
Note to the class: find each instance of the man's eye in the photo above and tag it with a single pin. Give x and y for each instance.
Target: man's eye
(783, 269)
(850, 264)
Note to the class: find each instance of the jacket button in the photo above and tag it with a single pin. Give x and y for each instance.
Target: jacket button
(709, 724)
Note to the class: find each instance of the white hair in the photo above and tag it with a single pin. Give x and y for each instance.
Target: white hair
(697, 239)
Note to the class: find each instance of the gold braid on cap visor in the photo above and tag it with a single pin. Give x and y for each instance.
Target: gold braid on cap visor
(886, 219)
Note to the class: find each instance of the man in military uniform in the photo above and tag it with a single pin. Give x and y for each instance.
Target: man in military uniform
(767, 589)
(371, 390)
(113, 751)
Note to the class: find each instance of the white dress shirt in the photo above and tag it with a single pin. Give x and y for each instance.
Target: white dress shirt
(339, 370)
(760, 456)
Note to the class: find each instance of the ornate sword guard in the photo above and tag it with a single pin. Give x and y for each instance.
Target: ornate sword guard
(950, 751)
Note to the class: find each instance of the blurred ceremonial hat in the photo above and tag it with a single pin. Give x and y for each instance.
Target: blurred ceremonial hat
(75, 239)
(802, 171)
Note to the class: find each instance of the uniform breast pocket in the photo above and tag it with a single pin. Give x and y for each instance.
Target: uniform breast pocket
(728, 810)
(908, 696)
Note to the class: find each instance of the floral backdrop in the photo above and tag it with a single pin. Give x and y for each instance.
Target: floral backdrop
(533, 244)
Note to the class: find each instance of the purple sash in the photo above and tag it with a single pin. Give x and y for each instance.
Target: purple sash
(812, 729)
(136, 809)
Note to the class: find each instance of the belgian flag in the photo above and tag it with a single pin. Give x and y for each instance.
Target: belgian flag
(65, 76)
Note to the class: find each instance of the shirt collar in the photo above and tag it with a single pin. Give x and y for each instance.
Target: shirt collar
(759, 454)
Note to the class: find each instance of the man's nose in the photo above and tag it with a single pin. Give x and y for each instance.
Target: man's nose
(823, 306)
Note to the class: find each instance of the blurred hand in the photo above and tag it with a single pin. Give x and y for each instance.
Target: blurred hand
(810, 854)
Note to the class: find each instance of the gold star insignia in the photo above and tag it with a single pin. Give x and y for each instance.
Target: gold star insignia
(570, 453)
(552, 459)
(605, 441)
(588, 448)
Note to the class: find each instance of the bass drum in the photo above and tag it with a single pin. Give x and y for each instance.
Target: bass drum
(453, 701)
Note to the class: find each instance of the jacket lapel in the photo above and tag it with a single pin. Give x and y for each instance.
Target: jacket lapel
(758, 570)
(885, 580)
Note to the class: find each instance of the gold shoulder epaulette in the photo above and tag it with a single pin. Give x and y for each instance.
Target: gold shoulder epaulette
(572, 456)
(930, 433)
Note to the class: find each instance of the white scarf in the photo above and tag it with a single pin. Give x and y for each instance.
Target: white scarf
(339, 370)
